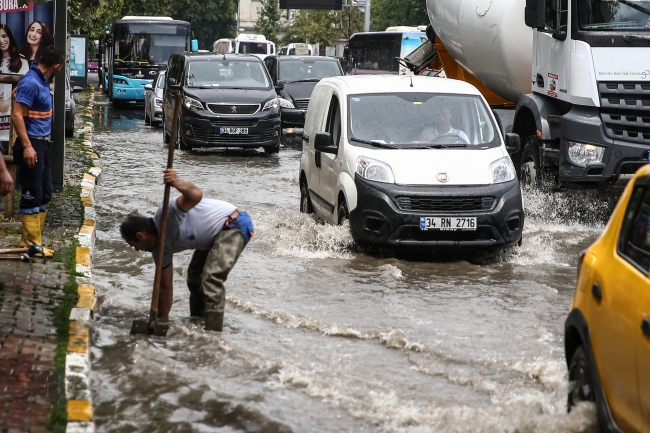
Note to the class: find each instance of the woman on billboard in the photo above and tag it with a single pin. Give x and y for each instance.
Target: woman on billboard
(12, 63)
(38, 37)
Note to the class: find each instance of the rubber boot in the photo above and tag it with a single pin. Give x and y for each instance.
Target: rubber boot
(30, 229)
(41, 218)
(213, 321)
(197, 305)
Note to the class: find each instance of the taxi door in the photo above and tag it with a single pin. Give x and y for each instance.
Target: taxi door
(618, 294)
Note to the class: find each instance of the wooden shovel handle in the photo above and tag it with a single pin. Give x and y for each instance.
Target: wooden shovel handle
(153, 314)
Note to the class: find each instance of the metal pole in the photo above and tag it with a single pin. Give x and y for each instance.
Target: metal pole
(238, 16)
(366, 19)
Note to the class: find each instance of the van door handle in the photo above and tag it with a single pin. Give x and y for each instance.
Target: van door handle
(645, 327)
(597, 292)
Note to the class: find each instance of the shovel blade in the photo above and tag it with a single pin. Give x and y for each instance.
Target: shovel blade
(155, 327)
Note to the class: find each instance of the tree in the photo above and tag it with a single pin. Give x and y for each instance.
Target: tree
(268, 20)
(324, 27)
(386, 13)
(211, 20)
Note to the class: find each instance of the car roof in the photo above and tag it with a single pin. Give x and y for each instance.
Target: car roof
(364, 84)
(219, 56)
(311, 58)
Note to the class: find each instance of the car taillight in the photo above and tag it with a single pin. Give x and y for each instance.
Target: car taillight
(581, 258)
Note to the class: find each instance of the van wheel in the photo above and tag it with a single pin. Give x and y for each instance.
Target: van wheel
(580, 379)
(166, 136)
(305, 200)
(180, 144)
(272, 149)
(343, 214)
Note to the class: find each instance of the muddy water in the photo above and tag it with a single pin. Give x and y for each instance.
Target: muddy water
(320, 336)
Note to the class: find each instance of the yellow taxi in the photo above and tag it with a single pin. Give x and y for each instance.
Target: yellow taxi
(607, 333)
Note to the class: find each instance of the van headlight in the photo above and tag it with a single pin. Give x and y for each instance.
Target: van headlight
(502, 170)
(285, 103)
(273, 103)
(582, 153)
(373, 169)
(191, 102)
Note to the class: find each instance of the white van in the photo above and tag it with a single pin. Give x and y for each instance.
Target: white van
(225, 45)
(254, 44)
(298, 49)
(414, 163)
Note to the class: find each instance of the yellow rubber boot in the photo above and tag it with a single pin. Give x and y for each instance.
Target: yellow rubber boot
(30, 229)
(41, 217)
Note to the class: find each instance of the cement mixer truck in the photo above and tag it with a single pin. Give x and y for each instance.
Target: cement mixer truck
(575, 74)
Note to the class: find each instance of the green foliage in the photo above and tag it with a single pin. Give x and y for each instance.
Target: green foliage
(324, 27)
(386, 13)
(268, 20)
(211, 20)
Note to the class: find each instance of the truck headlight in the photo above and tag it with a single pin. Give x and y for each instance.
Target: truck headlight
(285, 103)
(191, 102)
(582, 153)
(373, 169)
(502, 170)
(273, 103)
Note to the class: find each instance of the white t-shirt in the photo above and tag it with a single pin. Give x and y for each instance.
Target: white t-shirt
(192, 230)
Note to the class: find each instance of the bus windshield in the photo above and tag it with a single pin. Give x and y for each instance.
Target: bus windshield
(421, 120)
(307, 70)
(148, 44)
(607, 15)
(227, 74)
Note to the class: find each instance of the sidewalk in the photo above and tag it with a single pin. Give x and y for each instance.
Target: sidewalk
(35, 304)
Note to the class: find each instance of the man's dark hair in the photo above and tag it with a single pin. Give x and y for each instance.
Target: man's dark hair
(52, 56)
(131, 226)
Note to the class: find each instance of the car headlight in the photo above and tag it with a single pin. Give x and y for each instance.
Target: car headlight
(273, 103)
(120, 81)
(285, 103)
(158, 102)
(191, 102)
(582, 153)
(502, 170)
(372, 169)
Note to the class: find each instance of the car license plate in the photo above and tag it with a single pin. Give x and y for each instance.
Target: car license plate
(448, 223)
(233, 130)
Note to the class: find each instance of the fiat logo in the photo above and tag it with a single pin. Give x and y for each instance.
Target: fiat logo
(442, 177)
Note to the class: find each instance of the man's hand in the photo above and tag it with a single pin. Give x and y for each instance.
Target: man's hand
(170, 177)
(6, 182)
(29, 155)
(191, 195)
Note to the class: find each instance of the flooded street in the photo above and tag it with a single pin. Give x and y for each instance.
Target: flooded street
(320, 336)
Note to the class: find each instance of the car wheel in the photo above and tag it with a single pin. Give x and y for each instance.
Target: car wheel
(531, 174)
(305, 200)
(580, 379)
(343, 214)
(273, 149)
(166, 137)
(147, 119)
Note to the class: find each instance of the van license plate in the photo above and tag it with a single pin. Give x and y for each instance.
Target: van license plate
(448, 223)
(233, 130)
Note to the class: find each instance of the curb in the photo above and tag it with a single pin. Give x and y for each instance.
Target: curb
(77, 360)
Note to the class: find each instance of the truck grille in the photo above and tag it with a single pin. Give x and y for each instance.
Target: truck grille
(445, 204)
(234, 109)
(301, 104)
(625, 110)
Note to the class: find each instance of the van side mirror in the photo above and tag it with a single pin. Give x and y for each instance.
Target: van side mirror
(171, 83)
(323, 143)
(513, 142)
(279, 86)
(534, 14)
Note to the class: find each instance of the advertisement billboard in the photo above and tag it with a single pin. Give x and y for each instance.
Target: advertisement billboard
(78, 54)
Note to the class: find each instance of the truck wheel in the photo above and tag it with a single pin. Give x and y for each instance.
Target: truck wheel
(530, 173)
(580, 379)
(305, 200)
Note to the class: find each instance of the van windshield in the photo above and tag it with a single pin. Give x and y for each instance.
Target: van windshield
(307, 70)
(421, 120)
(253, 48)
(227, 74)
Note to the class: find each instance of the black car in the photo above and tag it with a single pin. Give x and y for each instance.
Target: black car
(295, 78)
(228, 100)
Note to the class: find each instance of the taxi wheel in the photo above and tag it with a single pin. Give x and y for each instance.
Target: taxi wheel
(580, 379)
(343, 214)
(305, 200)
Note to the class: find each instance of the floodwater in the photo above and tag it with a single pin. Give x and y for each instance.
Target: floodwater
(320, 336)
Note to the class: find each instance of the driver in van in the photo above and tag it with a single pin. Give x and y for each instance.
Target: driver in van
(442, 126)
